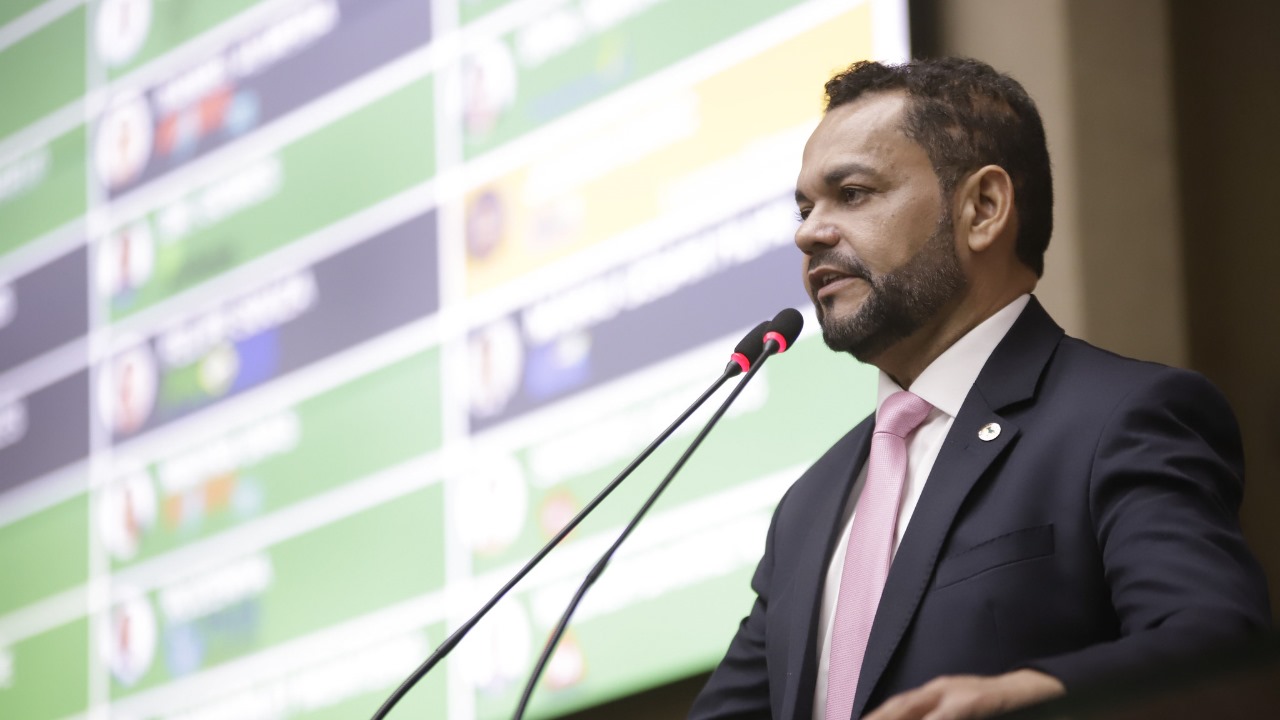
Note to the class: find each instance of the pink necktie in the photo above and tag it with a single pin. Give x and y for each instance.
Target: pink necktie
(870, 549)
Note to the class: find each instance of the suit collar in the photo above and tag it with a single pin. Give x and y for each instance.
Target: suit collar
(1009, 377)
(1014, 370)
(947, 380)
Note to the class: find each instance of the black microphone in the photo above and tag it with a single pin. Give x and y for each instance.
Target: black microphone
(783, 331)
(781, 334)
(752, 345)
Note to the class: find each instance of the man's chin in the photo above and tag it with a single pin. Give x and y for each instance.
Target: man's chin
(837, 312)
(857, 335)
(863, 348)
(840, 333)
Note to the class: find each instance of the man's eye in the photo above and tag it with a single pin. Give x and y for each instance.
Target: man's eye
(802, 214)
(852, 194)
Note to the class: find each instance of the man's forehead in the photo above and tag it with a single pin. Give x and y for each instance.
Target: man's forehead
(870, 120)
(864, 137)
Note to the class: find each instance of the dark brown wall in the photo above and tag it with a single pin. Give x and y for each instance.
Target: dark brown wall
(1227, 91)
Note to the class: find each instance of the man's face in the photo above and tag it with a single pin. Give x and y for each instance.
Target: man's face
(880, 259)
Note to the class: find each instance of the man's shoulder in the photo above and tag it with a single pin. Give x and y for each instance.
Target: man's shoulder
(1087, 394)
(1038, 363)
(1036, 344)
(1081, 372)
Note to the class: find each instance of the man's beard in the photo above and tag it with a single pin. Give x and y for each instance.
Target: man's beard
(900, 301)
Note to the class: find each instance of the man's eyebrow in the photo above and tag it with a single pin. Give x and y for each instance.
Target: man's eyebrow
(839, 174)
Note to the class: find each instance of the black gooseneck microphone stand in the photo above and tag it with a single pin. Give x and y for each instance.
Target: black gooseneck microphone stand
(786, 327)
(750, 346)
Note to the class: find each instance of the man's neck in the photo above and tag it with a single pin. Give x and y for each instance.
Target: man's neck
(907, 358)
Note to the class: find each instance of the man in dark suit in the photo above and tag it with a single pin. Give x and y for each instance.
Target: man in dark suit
(1051, 515)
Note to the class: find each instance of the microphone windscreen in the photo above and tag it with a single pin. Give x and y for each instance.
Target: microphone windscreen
(752, 344)
(788, 323)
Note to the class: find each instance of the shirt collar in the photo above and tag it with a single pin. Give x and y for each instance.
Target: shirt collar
(945, 383)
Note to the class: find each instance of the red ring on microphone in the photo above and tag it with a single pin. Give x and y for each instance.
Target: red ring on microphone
(742, 361)
(776, 337)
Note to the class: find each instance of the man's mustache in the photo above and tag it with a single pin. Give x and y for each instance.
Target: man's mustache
(845, 264)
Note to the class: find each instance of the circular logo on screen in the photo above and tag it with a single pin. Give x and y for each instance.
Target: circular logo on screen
(486, 224)
(494, 500)
(497, 655)
(556, 510)
(496, 357)
(121, 29)
(127, 390)
(128, 511)
(488, 86)
(128, 639)
(125, 259)
(568, 664)
(218, 369)
(8, 305)
(123, 145)
(6, 668)
(13, 421)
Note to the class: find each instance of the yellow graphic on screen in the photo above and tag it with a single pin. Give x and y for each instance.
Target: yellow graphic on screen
(697, 139)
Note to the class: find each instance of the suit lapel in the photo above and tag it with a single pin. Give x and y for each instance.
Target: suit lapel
(810, 575)
(1009, 376)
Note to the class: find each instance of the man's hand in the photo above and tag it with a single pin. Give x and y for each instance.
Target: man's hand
(960, 697)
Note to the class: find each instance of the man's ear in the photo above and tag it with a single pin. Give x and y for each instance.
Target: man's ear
(984, 208)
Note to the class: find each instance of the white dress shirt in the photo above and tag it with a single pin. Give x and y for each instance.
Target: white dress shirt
(944, 385)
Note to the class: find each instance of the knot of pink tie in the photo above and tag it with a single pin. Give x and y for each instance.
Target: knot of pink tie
(901, 413)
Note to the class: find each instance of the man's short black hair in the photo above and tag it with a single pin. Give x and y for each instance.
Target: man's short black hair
(966, 115)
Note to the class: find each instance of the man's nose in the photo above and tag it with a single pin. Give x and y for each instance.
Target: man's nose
(815, 233)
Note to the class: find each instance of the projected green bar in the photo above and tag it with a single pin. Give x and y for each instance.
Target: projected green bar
(48, 190)
(739, 450)
(13, 9)
(45, 69)
(601, 61)
(338, 572)
(176, 21)
(395, 413)
(367, 156)
(48, 550)
(426, 700)
(638, 647)
(666, 621)
(469, 10)
(49, 674)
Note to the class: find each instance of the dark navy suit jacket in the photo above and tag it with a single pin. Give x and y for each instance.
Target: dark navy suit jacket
(1095, 535)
